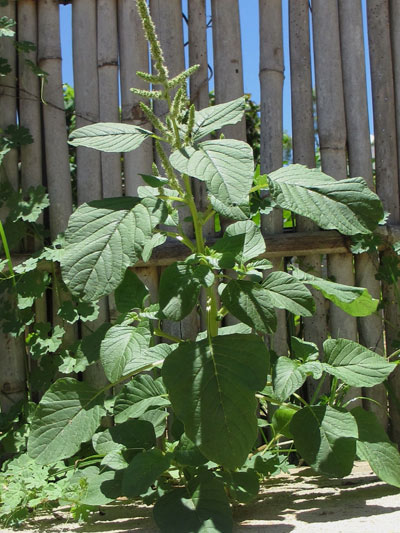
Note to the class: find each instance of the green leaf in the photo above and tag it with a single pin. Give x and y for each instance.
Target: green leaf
(205, 509)
(143, 471)
(251, 304)
(139, 395)
(151, 358)
(103, 443)
(243, 486)
(158, 419)
(212, 386)
(68, 414)
(15, 136)
(180, 285)
(154, 181)
(226, 165)
(281, 421)
(374, 446)
(253, 245)
(287, 377)
(347, 205)
(187, 453)
(6, 25)
(326, 438)
(102, 240)
(354, 364)
(91, 492)
(130, 293)
(109, 136)
(285, 292)
(356, 301)
(123, 345)
(134, 434)
(5, 68)
(40, 342)
(304, 350)
(215, 117)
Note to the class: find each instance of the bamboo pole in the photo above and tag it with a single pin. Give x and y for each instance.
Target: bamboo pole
(12, 353)
(315, 327)
(84, 46)
(386, 162)
(199, 96)
(55, 130)
(107, 65)
(8, 97)
(332, 137)
(271, 81)
(133, 54)
(360, 164)
(228, 67)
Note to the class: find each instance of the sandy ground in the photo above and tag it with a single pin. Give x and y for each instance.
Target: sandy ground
(300, 502)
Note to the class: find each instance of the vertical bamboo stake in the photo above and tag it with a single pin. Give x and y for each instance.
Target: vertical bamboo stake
(84, 42)
(332, 135)
(394, 17)
(12, 353)
(199, 95)
(271, 153)
(107, 64)
(89, 182)
(55, 130)
(227, 51)
(168, 21)
(134, 56)
(8, 97)
(386, 162)
(315, 327)
(360, 164)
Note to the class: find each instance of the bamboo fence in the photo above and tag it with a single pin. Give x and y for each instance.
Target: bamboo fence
(326, 41)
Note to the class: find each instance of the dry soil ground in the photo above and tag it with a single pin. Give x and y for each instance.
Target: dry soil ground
(299, 502)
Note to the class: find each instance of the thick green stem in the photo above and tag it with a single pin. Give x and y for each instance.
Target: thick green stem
(7, 253)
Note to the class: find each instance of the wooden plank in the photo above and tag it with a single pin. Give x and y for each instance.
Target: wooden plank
(271, 82)
(386, 161)
(360, 164)
(316, 326)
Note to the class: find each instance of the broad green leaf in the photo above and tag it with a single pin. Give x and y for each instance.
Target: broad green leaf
(88, 349)
(215, 117)
(109, 136)
(303, 350)
(158, 419)
(115, 460)
(251, 304)
(180, 285)
(354, 364)
(187, 453)
(203, 510)
(134, 434)
(226, 165)
(143, 471)
(374, 446)
(6, 24)
(287, 377)
(253, 245)
(356, 301)
(281, 421)
(326, 438)
(235, 212)
(68, 414)
(91, 493)
(285, 292)
(102, 240)
(347, 205)
(103, 443)
(151, 358)
(130, 293)
(243, 486)
(139, 395)
(154, 181)
(212, 386)
(121, 346)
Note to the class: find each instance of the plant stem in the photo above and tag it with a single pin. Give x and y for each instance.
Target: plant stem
(316, 393)
(160, 333)
(7, 254)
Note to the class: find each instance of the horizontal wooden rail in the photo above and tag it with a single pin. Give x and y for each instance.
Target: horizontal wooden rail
(286, 244)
